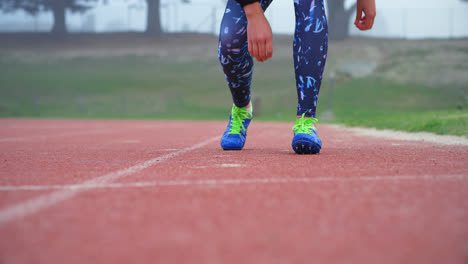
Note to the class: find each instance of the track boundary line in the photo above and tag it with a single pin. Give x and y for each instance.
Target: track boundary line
(165, 183)
(405, 136)
(41, 202)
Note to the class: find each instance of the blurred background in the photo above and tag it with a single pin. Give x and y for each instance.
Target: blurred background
(157, 59)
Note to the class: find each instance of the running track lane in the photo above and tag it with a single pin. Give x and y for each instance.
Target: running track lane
(142, 191)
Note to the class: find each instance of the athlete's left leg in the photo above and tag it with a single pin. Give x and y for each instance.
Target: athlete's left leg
(310, 53)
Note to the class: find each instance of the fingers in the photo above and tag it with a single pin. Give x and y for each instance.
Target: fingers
(365, 14)
(361, 24)
(264, 48)
(261, 51)
(253, 49)
(260, 37)
(358, 14)
(269, 48)
(366, 21)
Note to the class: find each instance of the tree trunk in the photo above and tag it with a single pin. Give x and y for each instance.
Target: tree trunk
(338, 19)
(58, 9)
(153, 25)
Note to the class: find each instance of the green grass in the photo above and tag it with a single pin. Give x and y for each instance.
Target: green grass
(441, 122)
(411, 107)
(122, 87)
(149, 87)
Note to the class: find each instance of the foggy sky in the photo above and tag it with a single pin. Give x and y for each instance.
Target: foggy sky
(395, 18)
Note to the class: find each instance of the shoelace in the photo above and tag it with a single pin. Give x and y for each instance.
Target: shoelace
(237, 123)
(304, 125)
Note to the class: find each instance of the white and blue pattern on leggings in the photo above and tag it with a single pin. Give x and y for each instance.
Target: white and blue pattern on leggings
(233, 52)
(310, 53)
(310, 47)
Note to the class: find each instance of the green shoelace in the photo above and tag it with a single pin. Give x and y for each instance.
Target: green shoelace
(238, 116)
(304, 125)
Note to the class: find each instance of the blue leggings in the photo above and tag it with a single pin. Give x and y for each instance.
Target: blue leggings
(310, 52)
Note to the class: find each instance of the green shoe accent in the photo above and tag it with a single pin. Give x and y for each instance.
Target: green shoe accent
(304, 125)
(238, 115)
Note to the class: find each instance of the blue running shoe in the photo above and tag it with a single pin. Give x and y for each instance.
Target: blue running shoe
(236, 131)
(306, 140)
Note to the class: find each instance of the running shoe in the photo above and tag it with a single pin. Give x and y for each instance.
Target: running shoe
(306, 140)
(236, 132)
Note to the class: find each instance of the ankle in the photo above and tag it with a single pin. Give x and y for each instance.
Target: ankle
(304, 117)
(248, 107)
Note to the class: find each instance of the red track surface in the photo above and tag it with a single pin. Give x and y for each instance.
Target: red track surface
(361, 200)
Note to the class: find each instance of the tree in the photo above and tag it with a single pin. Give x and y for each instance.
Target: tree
(153, 24)
(153, 18)
(58, 8)
(338, 19)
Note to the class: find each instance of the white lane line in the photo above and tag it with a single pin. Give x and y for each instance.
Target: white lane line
(408, 136)
(226, 182)
(230, 165)
(37, 204)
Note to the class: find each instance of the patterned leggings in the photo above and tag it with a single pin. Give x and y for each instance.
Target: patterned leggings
(310, 52)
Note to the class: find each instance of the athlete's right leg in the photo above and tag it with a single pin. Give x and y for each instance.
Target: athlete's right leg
(234, 53)
(237, 65)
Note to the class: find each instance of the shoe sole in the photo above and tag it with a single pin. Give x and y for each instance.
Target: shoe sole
(232, 148)
(306, 147)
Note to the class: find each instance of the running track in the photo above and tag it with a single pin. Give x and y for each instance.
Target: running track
(164, 192)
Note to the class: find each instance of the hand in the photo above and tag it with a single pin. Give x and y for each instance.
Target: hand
(366, 21)
(259, 33)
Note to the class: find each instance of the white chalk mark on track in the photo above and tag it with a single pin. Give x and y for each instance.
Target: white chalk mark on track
(87, 186)
(39, 203)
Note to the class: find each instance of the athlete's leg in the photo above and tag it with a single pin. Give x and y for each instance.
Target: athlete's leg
(310, 52)
(234, 54)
